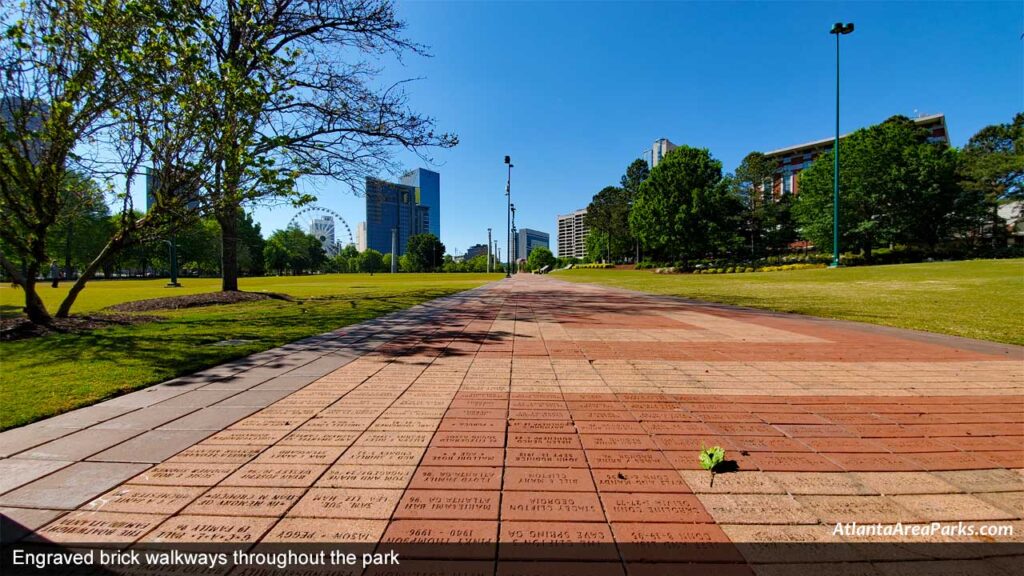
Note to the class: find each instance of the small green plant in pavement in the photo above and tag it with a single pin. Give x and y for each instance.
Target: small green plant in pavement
(711, 457)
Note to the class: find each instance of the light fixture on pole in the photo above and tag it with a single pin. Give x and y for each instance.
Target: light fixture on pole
(838, 29)
(508, 220)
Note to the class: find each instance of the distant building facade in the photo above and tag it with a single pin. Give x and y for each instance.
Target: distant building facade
(572, 235)
(526, 240)
(660, 149)
(476, 250)
(361, 237)
(393, 206)
(428, 193)
(790, 161)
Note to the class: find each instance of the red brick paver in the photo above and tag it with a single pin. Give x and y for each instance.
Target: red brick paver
(539, 420)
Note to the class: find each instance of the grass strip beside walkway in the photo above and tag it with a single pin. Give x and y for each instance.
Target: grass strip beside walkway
(41, 377)
(979, 299)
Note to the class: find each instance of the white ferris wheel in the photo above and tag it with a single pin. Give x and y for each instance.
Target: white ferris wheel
(327, 225)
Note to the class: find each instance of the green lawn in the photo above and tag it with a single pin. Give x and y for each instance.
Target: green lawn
(978, 299)
(41, 377)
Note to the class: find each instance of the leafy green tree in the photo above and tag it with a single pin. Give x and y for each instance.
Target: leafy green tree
(539, 258)
(894, 187)
(636, 173)
(425, 252)
(684, 209)
(294, 250)
(294, 96)
(386, 262)
(992, 172)
(250, 245)
(768, 223)
(337, 264)
(371, 261)
(82, 227)
(608, 215)
(84, 85)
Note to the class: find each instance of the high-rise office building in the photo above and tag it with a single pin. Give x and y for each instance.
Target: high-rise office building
(393, 206)
(361, 237)
(572, 235)
(526, 240)
(428, 193)
(660, 148)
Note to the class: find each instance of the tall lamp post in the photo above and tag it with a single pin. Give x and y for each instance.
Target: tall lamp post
(515, 241)
(838, 29)
(488, 250)
(508, 220)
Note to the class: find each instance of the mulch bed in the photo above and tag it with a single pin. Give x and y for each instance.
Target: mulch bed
(21, 329)
(195, 300)
(127, 313)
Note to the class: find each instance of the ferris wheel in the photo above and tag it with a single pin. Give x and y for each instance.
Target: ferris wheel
(324, 224)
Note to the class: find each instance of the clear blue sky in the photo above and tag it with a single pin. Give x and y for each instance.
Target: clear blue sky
(575, 91)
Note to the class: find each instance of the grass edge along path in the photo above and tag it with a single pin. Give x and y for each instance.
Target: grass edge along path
(49, 375)
(980, 299)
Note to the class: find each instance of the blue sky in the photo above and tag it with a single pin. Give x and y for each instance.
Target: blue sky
(576, 91)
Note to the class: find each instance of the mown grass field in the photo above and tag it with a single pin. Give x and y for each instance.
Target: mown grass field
(981, 299)
(43, 376)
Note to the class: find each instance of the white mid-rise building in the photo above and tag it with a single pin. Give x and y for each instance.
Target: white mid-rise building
(572, 235)
(660, 148)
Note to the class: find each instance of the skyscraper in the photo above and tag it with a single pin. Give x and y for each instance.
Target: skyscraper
(428, 193)
(393, 206)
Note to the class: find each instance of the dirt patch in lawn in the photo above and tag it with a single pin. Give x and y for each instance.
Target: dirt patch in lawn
(21, 329)
(196, 300)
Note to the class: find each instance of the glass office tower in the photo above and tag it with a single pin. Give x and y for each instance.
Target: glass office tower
(388, 206)
(428, 187)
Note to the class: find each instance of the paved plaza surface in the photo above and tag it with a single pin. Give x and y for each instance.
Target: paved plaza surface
(535, 411)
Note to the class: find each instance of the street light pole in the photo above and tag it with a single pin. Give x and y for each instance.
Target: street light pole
(838, 29)
(515, 241)
(508, 220)
(488, 250)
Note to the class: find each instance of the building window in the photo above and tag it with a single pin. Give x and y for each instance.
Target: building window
(787, 183)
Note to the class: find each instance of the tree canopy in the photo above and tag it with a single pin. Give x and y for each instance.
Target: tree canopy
(425, 254)
(894, 187)
(684, 209)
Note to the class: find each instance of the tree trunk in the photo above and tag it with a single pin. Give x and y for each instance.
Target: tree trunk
(34, 307)
(228, 220)
(116, 243)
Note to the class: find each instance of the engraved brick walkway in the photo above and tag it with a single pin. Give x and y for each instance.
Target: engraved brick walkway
(535, 410)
